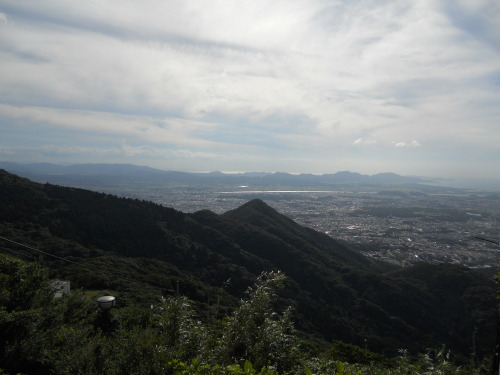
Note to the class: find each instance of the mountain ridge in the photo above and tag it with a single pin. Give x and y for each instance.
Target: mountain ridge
(104, 174)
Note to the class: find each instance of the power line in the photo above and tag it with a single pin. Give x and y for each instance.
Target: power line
(18, 253)
(487, 240)
(82, 265)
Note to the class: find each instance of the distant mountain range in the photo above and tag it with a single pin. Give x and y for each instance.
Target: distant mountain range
(336, 293)
(112, 174)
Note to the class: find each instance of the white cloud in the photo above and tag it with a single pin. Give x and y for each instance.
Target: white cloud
(361, 141)
(411, 144)
(7, 150)
(188, 154)
(162, 153)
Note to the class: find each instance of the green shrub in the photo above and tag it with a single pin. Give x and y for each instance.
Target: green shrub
(256, 333)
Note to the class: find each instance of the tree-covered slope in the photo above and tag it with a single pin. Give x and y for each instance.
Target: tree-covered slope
(70, 335)
(337, 293)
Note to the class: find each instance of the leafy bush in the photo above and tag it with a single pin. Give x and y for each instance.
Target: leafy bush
(257, 333)
(181, 335)
(44, 335)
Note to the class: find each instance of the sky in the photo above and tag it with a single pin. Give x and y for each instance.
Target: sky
(298, 86)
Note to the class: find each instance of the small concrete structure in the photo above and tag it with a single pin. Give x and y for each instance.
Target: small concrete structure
(60, 287)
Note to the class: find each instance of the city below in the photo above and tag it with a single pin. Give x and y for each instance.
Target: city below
(401, 226)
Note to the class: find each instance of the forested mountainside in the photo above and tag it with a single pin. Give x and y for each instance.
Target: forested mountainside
(336, 294)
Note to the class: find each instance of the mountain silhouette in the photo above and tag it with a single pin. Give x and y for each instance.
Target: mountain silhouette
(92, 175)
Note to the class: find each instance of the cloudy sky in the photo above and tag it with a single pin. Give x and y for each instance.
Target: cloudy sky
(316, 86)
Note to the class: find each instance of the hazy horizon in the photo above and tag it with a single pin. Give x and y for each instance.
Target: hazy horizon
(297, 86)
(486, 184)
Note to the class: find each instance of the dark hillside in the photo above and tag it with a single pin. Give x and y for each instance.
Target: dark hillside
(259, 214)
(457, 289)
(337, 293)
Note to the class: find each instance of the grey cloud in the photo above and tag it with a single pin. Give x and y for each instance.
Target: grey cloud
(477, 18)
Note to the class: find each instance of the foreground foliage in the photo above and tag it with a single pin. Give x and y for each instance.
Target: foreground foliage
(69, 335)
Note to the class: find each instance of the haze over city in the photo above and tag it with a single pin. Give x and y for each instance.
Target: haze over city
(292, 86)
